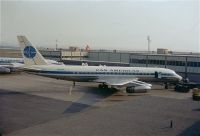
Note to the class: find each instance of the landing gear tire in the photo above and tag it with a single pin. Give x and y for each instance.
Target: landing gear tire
(100, 86)
(105, 86)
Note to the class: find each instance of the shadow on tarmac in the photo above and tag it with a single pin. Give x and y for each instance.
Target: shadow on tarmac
(193, 130)
(91, 96)
(196, 110)
(19, 110)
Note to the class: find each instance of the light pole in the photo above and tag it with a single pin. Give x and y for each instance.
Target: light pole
(56, 44)
(149, 41)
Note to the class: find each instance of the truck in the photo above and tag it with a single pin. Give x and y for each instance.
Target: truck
(185, 87)
(196, 94)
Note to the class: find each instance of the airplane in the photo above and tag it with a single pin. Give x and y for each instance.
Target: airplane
(4, 69)
(10, 60)
(133, 78)
(9, 65)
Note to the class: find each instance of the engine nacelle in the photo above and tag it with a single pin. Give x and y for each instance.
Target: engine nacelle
(143, 88)
(4, 70)
(130, 89)
(137, 89)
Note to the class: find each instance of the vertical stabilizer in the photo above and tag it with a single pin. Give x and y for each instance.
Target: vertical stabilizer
(30, 54)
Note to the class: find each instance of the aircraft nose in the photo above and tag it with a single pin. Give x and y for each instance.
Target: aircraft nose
(179, 78)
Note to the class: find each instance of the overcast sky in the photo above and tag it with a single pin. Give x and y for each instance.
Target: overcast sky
(104, 24)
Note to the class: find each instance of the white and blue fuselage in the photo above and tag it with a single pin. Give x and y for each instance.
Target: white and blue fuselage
(91, 73)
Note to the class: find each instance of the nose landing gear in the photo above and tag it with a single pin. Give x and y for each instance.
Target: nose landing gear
(166, 85)
(103, 86)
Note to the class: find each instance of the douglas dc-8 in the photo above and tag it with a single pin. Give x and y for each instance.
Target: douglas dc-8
(133, 78)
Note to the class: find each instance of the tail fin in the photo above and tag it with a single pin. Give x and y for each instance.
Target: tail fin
(30, 54)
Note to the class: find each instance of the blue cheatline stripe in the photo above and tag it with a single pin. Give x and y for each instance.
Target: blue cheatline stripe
(91, 73)
(57, 72)
(78, 73)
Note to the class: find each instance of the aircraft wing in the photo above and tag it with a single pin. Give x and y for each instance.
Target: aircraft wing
(120, 82)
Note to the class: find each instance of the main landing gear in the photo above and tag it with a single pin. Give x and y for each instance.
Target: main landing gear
(71, 87)
(103, 86)
(166, 85)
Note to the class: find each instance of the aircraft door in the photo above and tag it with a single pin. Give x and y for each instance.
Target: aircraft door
(158, 74)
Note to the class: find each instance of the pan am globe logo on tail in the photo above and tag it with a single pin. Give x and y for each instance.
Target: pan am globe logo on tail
(29, 52)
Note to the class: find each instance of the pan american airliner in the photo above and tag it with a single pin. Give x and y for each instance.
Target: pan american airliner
(133, 78)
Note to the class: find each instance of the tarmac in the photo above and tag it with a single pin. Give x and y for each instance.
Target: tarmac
(31, 105)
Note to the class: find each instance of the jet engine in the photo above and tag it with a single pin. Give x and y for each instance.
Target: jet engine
(137, 89)
(4, 70)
